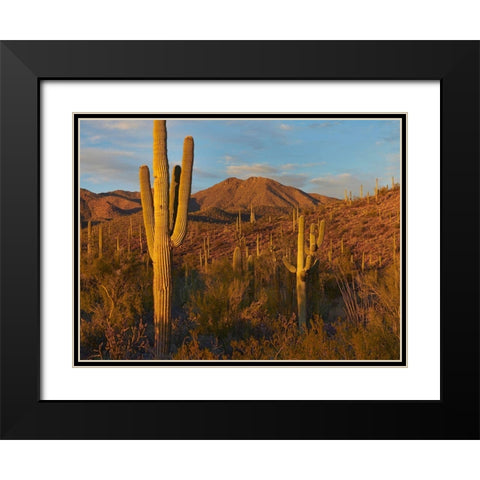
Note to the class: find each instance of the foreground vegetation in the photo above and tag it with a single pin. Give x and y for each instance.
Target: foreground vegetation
(220, 312)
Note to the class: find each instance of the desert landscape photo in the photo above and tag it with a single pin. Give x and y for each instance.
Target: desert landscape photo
(240, 239)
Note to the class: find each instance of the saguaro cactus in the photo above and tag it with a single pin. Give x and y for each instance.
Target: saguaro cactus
(303, 266)
(237, 261)
(164, 229)
(100, 241)
(89, 238)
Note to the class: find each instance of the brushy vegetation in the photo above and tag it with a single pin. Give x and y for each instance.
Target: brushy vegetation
(223, 314)
(246, 309)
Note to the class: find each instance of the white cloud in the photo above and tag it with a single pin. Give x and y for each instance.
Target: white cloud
(99, 165)
(123, 124)
(333, 180)
(228, 158)
(284, 126)
(253, 170)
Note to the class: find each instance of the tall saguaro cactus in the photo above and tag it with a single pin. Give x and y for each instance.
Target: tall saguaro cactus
(165, 219)
(303, 266)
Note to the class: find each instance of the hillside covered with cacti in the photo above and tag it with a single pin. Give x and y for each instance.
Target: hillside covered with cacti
(233, 292)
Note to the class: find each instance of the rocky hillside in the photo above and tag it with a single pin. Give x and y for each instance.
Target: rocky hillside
(217, 202)
(99, 207)
(234, 194)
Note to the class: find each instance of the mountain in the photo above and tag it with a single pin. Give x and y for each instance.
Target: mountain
(233, 193)
(99, 207)
(215, 203)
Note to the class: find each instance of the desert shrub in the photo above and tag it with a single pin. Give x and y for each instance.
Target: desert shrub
(115, 297)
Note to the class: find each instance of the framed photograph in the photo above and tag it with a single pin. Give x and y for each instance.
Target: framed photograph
(240, 240)
(248, 224)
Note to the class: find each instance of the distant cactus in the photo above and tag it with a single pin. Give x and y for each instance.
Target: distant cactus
(129, 236)
(304, 264)
(100, 241)
(89, 238)
(239, 223)
(206, 252)
(394, 251)
(258, 245)
(361, 191)
(252, 215)
(237, 261)
(363, 261)
(251, 277)
(376, 189)
(393, 183)
(164, 229)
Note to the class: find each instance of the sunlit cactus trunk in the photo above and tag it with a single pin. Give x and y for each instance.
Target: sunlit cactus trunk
(304, 264)
(301, 275)
(164, 229)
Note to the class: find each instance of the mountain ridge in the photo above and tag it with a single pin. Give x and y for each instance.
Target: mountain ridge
(228, 195)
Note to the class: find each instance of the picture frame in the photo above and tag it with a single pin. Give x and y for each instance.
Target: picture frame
(24, 65)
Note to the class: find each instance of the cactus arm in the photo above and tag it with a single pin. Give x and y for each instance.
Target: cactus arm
(313, 245)
(301, 243)
(290, 267)
(180, 228)
(308, 263)
(173, 203)
(321, 233)
(147, 206)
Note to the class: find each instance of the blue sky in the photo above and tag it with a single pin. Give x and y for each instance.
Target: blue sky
(318, 156)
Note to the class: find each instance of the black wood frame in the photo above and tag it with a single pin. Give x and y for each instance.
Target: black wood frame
(25, 64)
